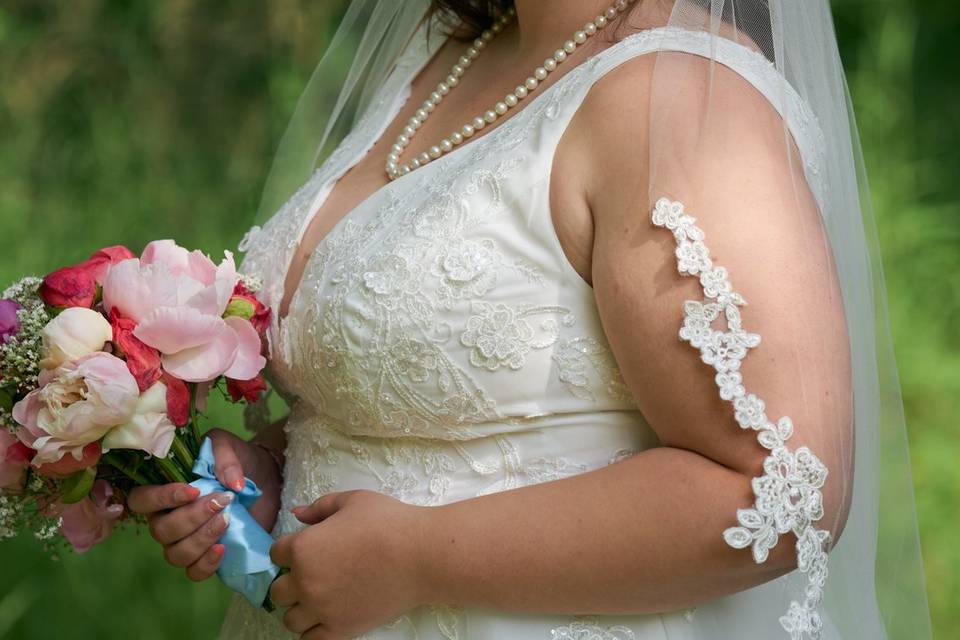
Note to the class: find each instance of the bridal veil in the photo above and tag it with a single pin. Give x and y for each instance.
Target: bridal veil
(868, 583)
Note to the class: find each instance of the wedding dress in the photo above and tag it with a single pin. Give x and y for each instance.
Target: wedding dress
(441, 346)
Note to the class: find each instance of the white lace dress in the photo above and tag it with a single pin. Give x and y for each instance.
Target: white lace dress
(441, 346)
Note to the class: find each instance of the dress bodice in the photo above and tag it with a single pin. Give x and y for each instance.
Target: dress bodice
(443, 305)
(441, 346)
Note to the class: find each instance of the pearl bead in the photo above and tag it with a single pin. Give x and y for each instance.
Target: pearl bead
(395, 168)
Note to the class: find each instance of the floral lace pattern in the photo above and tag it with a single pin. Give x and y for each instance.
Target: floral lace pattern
(788, 496)
(440, 347)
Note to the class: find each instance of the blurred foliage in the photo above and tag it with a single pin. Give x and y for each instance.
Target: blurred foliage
(127, 121)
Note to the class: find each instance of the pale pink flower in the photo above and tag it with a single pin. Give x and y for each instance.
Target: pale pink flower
(74, 333)
(13, 463)
(76, 404)
(178, 299)
(91, 520)
(150, 429)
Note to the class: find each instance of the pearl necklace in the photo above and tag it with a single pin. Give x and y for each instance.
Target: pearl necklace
(395, 168)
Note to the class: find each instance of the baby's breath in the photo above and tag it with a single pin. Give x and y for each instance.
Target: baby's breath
(20, 355)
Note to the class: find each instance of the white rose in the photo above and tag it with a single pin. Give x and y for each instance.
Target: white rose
(149, 429)
(74, 333)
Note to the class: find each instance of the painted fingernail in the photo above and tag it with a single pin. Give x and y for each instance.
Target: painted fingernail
(218, 549)
(184, 494)
(220, 500)
(297, 509)
(226, 519)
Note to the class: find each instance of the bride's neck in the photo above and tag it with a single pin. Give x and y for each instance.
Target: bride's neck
(546, 25)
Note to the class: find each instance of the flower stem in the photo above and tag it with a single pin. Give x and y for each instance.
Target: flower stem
(182, 451)
(120, 465)
(194, 422)
(169, 467)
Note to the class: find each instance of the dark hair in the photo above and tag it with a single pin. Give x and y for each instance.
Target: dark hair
(468, 18)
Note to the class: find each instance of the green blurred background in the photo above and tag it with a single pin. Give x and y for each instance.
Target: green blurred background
(124, 121)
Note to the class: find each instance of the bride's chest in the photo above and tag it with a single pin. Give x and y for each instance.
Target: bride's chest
(443, 300)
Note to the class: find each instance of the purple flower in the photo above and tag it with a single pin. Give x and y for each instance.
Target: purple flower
(9, 322)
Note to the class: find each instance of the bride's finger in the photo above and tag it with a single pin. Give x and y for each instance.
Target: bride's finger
(190, 549)
(207, 564)
(282, 591)
(299, 618)
(168, 528)
(157, 497)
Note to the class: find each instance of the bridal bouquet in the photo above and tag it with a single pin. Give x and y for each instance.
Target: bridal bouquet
(104, 367)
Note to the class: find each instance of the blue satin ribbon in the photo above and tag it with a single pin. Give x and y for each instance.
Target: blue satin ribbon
(246, 566)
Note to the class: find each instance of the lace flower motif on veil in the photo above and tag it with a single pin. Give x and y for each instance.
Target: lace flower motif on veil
(788, 494)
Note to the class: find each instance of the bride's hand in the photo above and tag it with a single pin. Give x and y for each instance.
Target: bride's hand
(188, 527)
(357, 567)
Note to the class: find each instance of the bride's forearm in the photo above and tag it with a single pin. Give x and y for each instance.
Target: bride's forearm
(639, 536)
(274, 438)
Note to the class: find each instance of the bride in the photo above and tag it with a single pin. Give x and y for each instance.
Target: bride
(528, 398)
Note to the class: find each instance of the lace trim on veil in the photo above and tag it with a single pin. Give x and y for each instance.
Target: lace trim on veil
(788, 496)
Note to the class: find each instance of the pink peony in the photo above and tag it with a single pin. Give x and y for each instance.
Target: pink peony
(178, 298)
(76, 404)
(149, 428)
(13, 462)
(91, 520)
(74, 333)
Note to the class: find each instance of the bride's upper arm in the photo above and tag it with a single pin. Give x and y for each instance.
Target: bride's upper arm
(733, 173)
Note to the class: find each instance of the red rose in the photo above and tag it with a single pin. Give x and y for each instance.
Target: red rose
(178, 400)
(69, 287)
(142, 361)
(248, 390)
(98, 262)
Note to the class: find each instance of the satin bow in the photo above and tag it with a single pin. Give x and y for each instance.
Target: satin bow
(246, 567)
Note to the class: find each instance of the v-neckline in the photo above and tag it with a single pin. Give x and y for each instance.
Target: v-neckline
(329, 185)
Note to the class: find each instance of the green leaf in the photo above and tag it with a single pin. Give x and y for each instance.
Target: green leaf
(76, 486)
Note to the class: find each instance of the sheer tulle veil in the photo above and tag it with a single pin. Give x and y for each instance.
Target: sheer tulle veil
(874, 584)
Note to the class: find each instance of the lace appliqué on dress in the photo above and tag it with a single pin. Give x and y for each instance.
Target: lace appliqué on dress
(788, 496)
